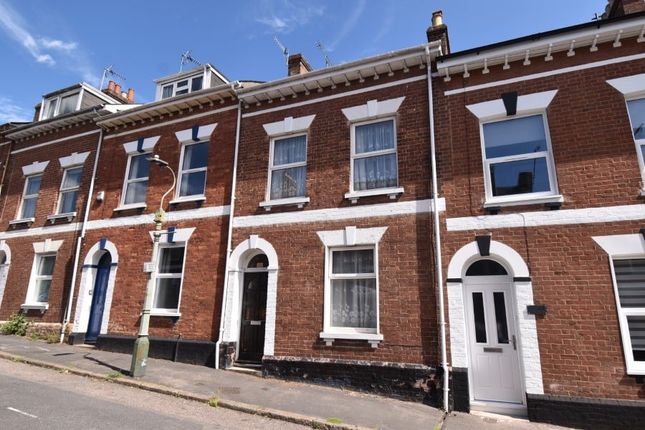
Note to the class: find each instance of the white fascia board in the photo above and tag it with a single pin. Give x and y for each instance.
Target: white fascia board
(112, 108)
(289, 125)
(34, 168)
(203, 133)
(629, 86)
(147, 145)
(75, 159)
(373, 109)
(582, 38)
(525, 104)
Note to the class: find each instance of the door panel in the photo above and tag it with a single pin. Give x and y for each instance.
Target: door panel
(493, 354)
(254, 299)
(98, 298)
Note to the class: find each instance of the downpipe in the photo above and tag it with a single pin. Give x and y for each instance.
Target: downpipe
(437, 230)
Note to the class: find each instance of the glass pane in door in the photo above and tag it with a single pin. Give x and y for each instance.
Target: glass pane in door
(480, 320)
(500, 317)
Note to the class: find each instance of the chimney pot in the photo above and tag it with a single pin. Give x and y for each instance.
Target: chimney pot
(117, 89)
(111, 86)
(437, 18)
(130, 95)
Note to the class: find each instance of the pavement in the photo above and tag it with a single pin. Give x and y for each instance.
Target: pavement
(300, 403)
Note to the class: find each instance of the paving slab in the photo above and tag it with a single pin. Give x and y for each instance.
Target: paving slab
(324, 403)
(484, 421)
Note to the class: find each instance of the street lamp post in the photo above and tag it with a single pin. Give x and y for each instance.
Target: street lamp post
(142, 344)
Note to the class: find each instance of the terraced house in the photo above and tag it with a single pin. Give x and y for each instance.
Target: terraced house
(459, 228)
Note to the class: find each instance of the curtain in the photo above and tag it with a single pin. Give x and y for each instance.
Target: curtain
(287, 183)
(374, 137)
(353, 303)
(375, 172)
(290, 150)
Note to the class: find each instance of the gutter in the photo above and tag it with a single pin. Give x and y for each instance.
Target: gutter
(437, 232)
(79, 239)
(230, 237)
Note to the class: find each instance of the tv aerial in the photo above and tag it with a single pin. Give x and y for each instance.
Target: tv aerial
(283, 49)
(109, 71)
(323, 50)
(186, 58)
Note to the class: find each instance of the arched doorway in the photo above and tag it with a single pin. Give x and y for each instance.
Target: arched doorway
(498, 269)
(492, 334)
(253, 313)
(98, 297)
(5, 260)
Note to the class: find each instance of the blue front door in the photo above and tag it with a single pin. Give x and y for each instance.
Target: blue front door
(98, 298)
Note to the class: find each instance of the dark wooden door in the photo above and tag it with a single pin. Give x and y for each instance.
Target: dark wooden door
(98, 298)
(254, 302)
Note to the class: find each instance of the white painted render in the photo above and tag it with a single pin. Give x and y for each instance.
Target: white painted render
(34, 168)
(373, 109)
(203, 133)
(289, 125)
(75, 159)
(526, 104)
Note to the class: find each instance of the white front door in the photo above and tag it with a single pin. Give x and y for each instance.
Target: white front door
(495, 367)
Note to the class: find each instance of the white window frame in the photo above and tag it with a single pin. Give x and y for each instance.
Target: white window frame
(59, 98)
(41, 250)
(182, 172)
(624, 247)
(548, 154)
(351, 238)
(638, 142)
(175, 88)
(127, 181)
(63, 190)
(298, 200)
(633, 367)
(392, 191)
(29, 196)
(169, 312)
(330, 276)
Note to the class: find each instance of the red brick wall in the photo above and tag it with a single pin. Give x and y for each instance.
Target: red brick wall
(406, 290)
(596, 164)
(328, 146)
(593, 149)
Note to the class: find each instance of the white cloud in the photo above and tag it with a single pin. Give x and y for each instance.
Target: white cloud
(45, 49)
(11, 112)
(349, 24)
(284, 16)
(57, 44)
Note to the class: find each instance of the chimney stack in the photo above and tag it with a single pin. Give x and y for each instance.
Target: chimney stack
(117, 89)
(110, 86)
(616, 8)
(130, 95)
(439, 31)
(297, 65)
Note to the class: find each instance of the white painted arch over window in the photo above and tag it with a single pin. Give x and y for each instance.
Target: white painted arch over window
(88, 277)
(238, 261)
(5, 254)
(523, 295)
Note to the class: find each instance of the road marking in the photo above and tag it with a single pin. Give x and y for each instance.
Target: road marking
(21, 412)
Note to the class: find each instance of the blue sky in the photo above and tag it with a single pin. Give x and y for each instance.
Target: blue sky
(47, 45)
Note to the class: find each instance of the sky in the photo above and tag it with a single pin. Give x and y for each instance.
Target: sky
(46, 45)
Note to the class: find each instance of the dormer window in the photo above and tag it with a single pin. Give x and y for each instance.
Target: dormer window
(61, 104)
(183, 86)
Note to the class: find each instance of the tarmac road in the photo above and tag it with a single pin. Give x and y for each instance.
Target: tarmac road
(35, 398)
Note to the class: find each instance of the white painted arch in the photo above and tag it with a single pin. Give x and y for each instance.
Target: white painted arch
(238, 261)
(4, 267)
(523, 296)
(88, 276)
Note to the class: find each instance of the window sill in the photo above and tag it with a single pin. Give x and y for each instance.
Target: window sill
(188, 199)
(130, 207)
(70, 216)
(372, 338)
(42, 307)
(558, 198)
(22, 221)
(393, 193)
(165, 314)
(295, 201)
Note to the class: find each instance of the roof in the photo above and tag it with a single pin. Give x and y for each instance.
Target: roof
(544, 43)
(186, 73)
(172, 105)
(316, 80)
(87, 87)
